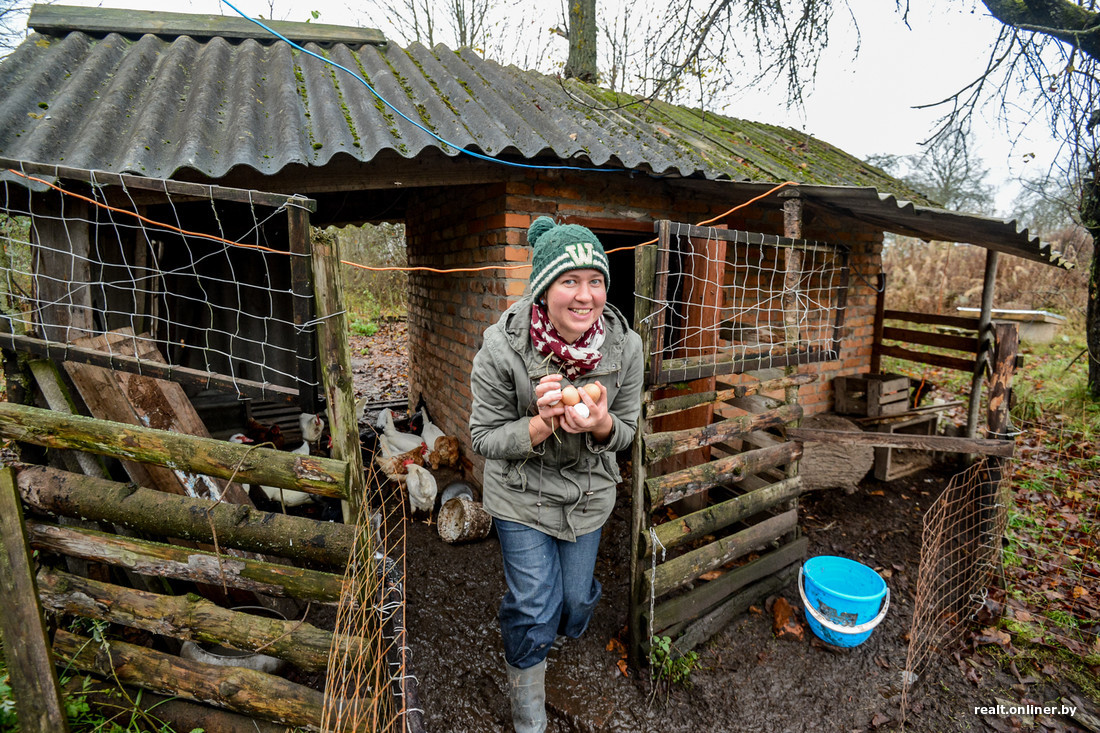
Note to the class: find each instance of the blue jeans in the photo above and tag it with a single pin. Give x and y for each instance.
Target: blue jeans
(551, 590)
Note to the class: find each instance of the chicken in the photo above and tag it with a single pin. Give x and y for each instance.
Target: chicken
(445, 453)
(260, 434)
(393, 442)
(422, 489)
(286, 497)
(430, 431)
(396, 467)
(312, 427)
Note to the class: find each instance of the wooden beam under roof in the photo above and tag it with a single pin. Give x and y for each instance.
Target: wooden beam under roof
(61, 19)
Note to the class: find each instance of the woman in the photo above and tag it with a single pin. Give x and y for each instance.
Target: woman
(550, 472)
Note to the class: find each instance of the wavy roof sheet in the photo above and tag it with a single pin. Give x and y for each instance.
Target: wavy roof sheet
(154, 105)
(213, 99)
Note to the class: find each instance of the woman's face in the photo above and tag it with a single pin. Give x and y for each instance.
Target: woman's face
(575, 301)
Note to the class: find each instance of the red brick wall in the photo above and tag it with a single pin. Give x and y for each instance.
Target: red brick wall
(471, 226)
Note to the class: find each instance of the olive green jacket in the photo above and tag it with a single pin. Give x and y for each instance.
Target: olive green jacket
(565, 486)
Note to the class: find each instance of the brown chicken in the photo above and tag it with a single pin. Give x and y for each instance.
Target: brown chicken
(445, 453)
(397, 467)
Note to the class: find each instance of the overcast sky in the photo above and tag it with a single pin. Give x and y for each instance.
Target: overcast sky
(861, 103)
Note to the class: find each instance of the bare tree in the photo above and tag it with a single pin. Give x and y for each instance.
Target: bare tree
(582, 41)
(1048, 56)
(13, 22)
(947, 172)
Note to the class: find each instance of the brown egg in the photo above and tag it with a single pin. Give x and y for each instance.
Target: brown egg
(570, 395)
(593, 391)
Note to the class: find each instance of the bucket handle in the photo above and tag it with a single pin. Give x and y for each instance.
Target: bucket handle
(821, 619)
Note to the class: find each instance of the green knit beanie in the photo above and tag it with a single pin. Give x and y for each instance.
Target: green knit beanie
(560, 248)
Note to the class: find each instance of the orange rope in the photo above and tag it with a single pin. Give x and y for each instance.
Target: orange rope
(184, 232)
(366, 267)
(715, 218)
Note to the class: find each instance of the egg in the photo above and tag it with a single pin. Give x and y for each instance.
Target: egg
(593, 391)
(570, 395)
(581, 409)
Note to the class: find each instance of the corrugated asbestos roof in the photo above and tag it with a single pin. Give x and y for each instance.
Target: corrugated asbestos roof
(155, 105)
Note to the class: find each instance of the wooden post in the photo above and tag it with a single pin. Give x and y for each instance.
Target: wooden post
(985, 343)
(645, 267)
(29, 660)
(792, 227)
(880, 317)
(332, 341)
(301, 286)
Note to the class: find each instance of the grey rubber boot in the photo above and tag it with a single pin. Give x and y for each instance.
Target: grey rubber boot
(527, 693)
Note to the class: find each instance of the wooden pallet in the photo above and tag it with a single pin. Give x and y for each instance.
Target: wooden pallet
(871, 395)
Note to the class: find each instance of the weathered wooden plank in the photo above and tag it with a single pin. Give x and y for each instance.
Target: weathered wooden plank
(928, 338)
(706, 521)
(221, 459)
(61, 246)
(705, 596)
(162, 186)
(1003, 368)
(156, 513)
(663, 445)
(669, 405)
(336, 374)
(645, 263)
(136, 399)
(181, 563)
(61, 19)
(27, 653)
(234, 688)
(677, 370)
(190, 618)
(185, 375)
(932, 319)
(659, 293)
(675, 486)
(947, 362)
(903, 440)
(706, 627)
(680, 571)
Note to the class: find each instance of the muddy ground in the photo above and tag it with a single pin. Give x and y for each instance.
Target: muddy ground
(746, 679)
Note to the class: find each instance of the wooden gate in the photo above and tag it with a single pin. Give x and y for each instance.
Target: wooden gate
(725, 318)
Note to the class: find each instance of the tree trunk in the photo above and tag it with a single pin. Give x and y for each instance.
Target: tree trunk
(233, 688)
(582, 41)
(1090, 217)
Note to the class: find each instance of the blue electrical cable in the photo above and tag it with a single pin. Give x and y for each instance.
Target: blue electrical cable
(384, 101)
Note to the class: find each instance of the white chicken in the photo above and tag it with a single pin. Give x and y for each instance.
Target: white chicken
(286, 497)
(430, 432)
(393, 442)
(422, 489)
(313, 427)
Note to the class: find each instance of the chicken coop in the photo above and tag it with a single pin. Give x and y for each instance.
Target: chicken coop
(150, 319)
(164, 238)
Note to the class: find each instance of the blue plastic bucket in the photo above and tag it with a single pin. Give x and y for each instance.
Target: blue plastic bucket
(844, 600)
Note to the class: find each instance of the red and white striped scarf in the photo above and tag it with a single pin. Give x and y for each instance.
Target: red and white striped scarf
(575, 359)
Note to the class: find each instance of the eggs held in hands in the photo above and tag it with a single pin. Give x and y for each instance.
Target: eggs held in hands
(572, 397)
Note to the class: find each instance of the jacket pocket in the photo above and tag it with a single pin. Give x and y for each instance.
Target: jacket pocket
(514, 477)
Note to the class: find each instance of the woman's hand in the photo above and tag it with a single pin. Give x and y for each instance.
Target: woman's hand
(598, 421)
(549, 404)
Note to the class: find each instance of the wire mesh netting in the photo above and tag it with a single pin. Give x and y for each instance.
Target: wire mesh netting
(960, 557)
(370, 685)
(746, 301)
(204, 280)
